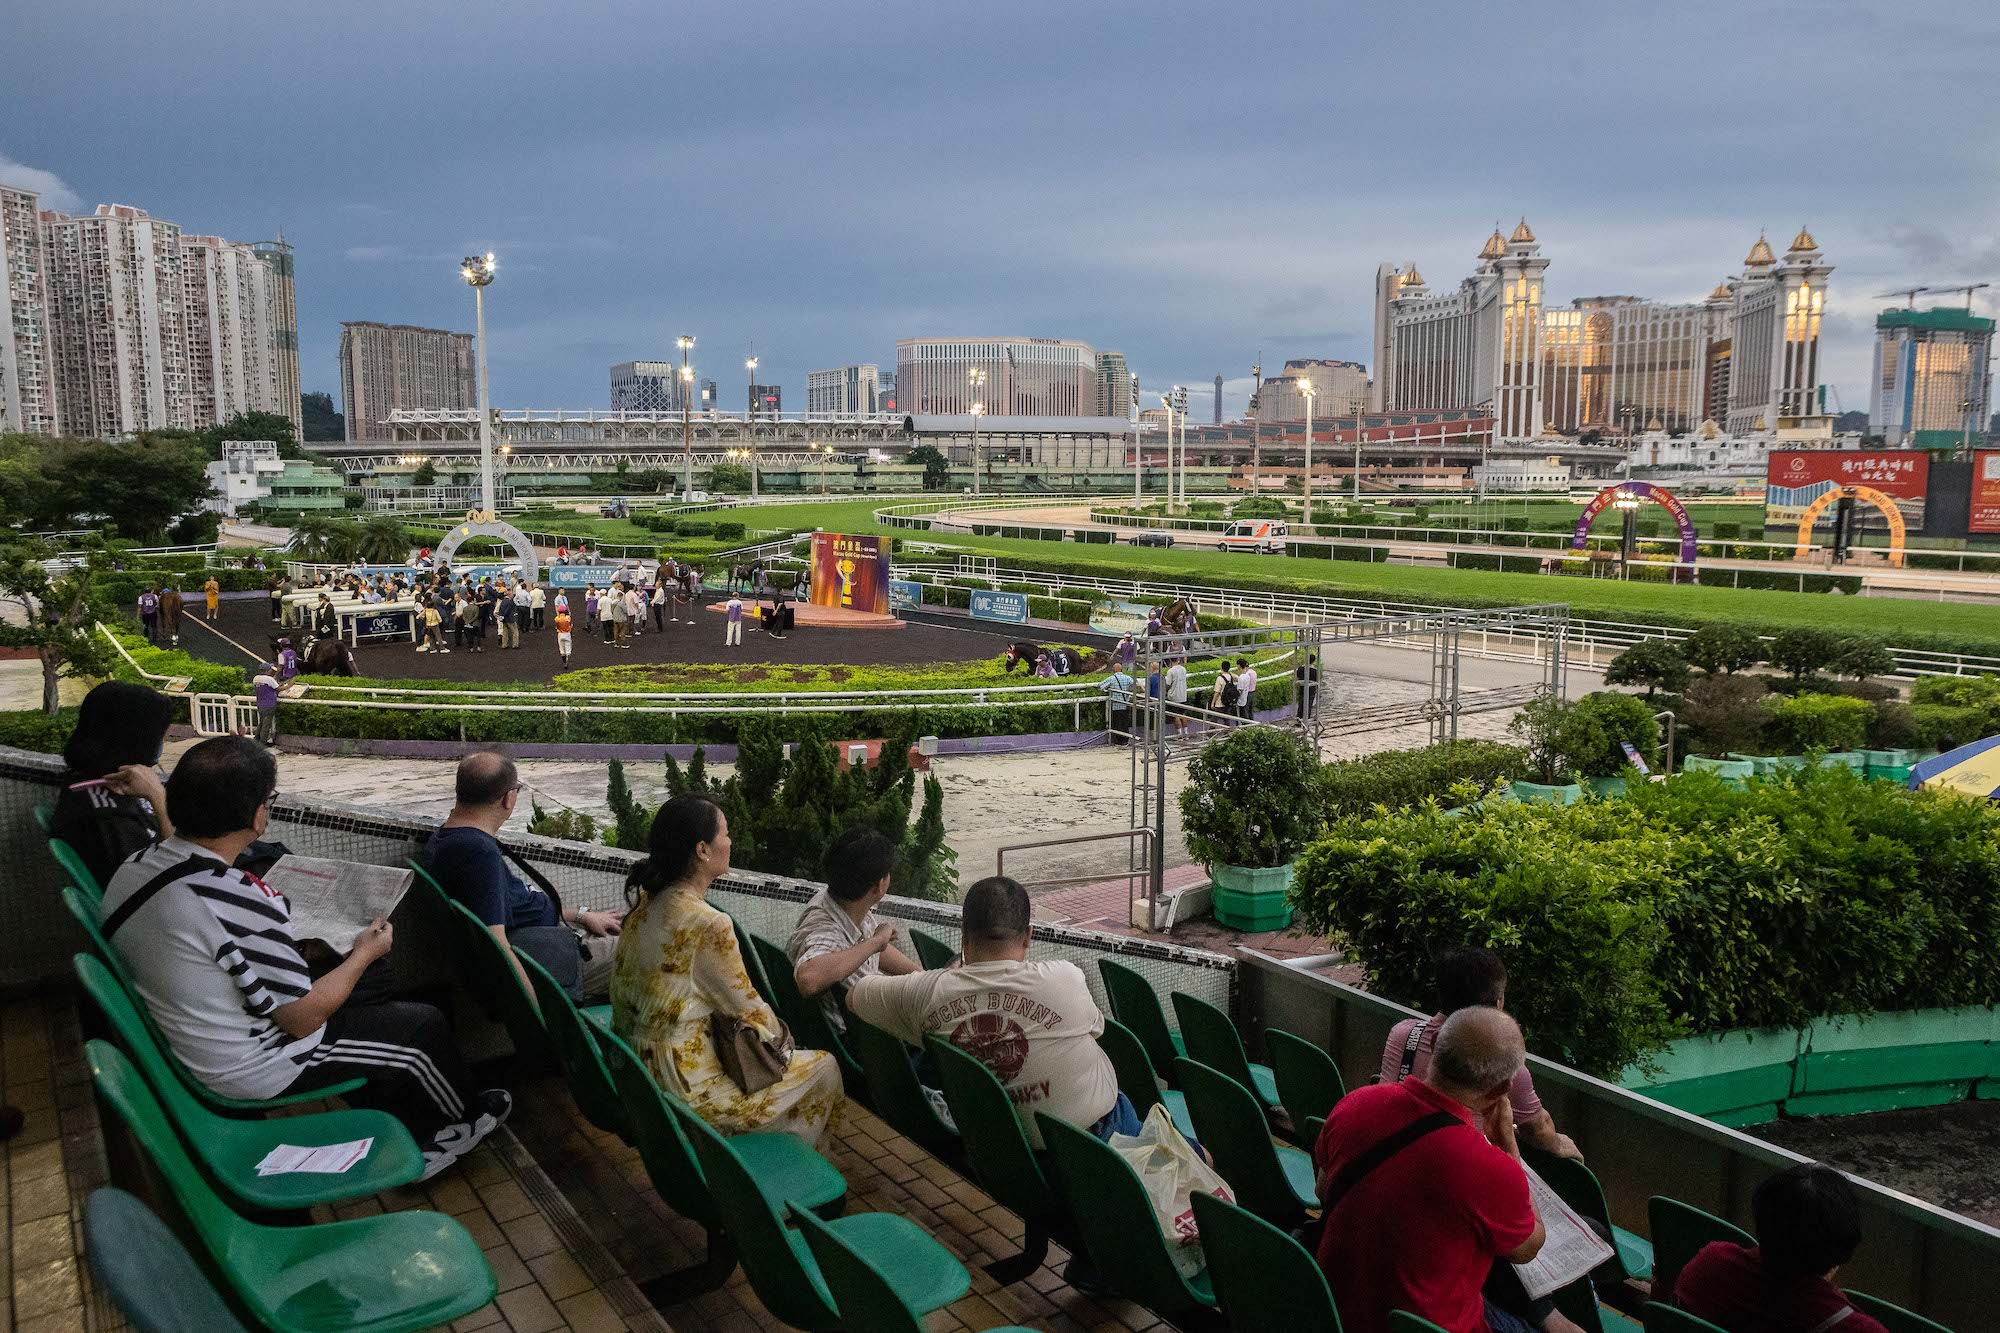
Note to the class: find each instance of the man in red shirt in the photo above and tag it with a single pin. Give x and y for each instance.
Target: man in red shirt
(1418, 1204)
(1808, 1224)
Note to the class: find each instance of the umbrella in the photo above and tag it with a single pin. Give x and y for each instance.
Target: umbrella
(1973, 770)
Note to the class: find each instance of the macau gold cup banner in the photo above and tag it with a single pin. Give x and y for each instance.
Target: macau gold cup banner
(850, 572)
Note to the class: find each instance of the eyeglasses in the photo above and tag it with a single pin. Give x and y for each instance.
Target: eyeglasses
(272, 799)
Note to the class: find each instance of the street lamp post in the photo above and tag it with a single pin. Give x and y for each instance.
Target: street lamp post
(477, 270)
(1306, 390)
(822, 450)
(749, 458)
(1628, 536)
(1357, 460)
(751, 366)
(1138, 442)
(976, 378)
(686, 343)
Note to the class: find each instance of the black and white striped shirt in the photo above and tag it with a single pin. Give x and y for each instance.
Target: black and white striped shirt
(210, 950)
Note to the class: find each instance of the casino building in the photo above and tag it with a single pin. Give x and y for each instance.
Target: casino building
(1746, 356)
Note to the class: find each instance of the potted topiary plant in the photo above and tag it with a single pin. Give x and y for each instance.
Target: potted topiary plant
(1247, 812)
(1545, 727)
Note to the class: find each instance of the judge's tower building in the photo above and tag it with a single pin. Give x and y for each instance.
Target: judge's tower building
(1746, 356)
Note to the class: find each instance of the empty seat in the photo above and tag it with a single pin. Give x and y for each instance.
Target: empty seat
(1274, 1182)
(576, 1051)
(780, 1266)
(894, 1092)
(229, 1149)
(1663, 1318)
(1893, 1317)
(1137, 1005)
(1211, 1037)
(1263, 1279)
(863, 1289)
(153, 1280)
(1309, 1083)
(385, 1274)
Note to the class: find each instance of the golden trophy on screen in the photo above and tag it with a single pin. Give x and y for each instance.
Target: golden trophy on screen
(845, 568)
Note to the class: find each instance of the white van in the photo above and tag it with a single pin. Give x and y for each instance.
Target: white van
(1256, 534)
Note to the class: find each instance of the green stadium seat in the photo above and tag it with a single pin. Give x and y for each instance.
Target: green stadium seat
(1115, 1221)
(785, 1166)
(85, 914)
(486, 967)
(862, 1291)
(576, 1051)
(999, 1157)
(229, 1150)
(153, 1280)
(79, 873)
(1679, 1231)
(1263, 1279)
(753, 963)
(1137, 1005)
(1892, 1317)
(356, 1276)
(932, 952)
(1310, 1131)
(780, 1266)
(806, 1019)
(1274, 1182)
(1576, 1185)
(1212, 1039)
(895, 1093)
(1137, 1079)
(1309, 1082)
(1663, 1318)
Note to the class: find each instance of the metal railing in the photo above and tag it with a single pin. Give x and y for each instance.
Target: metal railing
(1149, 847)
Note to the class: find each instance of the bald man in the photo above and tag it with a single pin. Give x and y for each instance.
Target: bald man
(1418, 1205)
(465, 857)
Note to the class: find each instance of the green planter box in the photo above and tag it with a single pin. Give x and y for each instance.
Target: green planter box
(1532, 792)
(1251, 898)
(1773, 765)
(1734, 1078)
(1896, 773)
(1882, 1062)
(1892, 758)
(1854, 759)
(1735, 772)
(1605, 787)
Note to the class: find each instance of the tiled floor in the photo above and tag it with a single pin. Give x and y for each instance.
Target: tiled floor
(565, 1214)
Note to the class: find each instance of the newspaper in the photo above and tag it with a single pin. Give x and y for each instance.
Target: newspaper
(331, 1159)
(335, 900)
(1571, 1249)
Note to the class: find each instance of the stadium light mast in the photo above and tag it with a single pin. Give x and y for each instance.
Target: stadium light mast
(686, 344)
(976, 378)
(477, 270)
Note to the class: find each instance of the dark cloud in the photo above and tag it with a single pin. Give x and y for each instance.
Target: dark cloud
(1182, 182)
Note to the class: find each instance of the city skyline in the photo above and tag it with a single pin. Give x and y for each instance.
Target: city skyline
(1037, 232)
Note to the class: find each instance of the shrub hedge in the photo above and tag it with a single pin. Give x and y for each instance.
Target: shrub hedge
(1452, 774)
(1686, 906)
(1820, 722)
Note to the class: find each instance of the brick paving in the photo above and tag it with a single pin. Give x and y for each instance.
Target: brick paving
(563, 1212)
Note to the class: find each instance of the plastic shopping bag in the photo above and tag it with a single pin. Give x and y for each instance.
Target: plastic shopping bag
(1171, 1173)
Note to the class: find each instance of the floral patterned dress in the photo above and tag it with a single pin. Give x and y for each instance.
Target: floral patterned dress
(677, 964)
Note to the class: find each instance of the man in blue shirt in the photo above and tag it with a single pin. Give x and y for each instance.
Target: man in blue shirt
(1118, 688)
(465, 857)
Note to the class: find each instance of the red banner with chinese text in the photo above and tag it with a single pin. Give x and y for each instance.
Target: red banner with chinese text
(1795, 478)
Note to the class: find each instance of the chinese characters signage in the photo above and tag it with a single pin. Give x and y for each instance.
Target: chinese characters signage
(850, 572)
(1985, 515)
(1795, 478)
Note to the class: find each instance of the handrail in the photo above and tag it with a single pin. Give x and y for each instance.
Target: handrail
(1147, 836)
(174, 684)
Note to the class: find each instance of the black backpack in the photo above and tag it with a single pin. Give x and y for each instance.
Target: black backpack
(1230, 693)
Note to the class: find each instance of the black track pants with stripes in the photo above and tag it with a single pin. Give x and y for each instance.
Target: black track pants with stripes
(405, 1051)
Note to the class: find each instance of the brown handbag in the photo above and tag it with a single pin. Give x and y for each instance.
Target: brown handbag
(753, 1061)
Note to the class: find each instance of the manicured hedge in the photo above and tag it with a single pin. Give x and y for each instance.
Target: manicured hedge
(1453, 774)
(1684, 907)
(30, 729)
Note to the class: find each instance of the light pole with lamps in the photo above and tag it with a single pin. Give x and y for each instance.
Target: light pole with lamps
(976, 378)
(1307, 392)
(477, 270)
(822, 450)
(751, 366)
(686, 344)
(749, 458)
(1628, 535)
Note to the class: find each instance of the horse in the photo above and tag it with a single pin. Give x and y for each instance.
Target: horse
(1176, 616)
(1067, 661)
(330, 657)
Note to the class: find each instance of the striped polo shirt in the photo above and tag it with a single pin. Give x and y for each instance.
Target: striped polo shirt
(210, 950)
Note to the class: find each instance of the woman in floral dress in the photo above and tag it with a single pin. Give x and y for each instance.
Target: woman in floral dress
(678, 964)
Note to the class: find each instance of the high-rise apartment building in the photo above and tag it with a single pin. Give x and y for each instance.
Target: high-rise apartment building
(1746, 356)
(277, 257)
(387, 367)
(117, 322)
(1218, 401)
(649, 386)
(1049, 377)
(1933, 380)
(848, 389)
(1114, 386)
(27, 373)
(1340, 389)
(767, 400)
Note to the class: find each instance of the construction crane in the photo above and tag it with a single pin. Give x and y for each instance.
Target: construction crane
(1969, 288)
(1909, 295)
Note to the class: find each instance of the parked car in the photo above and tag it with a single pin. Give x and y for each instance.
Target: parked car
(1255, 535)
(1153, 539)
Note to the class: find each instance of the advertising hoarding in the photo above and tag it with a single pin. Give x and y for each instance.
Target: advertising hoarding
(1794, 478)
(851, 573)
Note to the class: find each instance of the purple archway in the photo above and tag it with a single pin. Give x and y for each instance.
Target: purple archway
(1643, 490)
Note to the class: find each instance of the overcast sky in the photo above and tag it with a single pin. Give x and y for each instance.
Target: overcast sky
(1190, 184)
